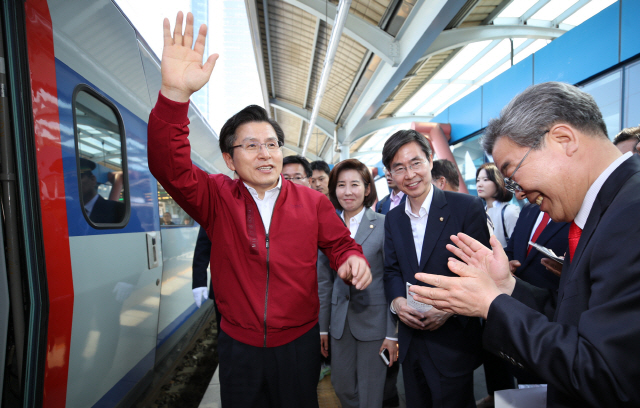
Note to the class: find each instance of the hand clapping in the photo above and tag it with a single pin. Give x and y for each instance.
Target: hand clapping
(484, 274)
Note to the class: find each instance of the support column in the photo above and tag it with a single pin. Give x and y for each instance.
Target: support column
(344, 152)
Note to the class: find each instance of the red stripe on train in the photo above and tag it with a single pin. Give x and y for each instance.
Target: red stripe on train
(52, 200)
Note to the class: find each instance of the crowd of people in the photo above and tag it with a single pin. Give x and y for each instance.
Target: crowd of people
(307, 265)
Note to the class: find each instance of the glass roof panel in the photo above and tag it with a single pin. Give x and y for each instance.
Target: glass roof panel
(461, 59)
(422, 95)
(500, 51)
(517, 8)
(444, 95)
(535, 46)
(553, 9)
(586, 12)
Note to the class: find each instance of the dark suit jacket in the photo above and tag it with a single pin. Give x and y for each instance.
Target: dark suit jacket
(554, 236)
(455, 346)
(107, 211)
(588, 346)
(383, 205)
(201, 258)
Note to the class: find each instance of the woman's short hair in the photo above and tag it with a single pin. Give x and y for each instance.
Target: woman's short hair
(365, 174)
(502, 194)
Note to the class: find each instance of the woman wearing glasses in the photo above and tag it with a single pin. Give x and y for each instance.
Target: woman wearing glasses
(360, 323)
(490, 186)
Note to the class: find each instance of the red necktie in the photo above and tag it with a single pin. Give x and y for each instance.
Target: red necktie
(574, 237)
(543, 223)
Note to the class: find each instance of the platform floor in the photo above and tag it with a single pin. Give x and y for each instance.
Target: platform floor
(327, 397)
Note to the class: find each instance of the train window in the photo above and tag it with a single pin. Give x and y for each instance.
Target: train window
(101, 159)
(171, 214)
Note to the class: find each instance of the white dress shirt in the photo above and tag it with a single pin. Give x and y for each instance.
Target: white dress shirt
(395, 199)
(535, 226)
(419, 221)
(354, 222)
(592, 193)
(418, 226)
(266, 204)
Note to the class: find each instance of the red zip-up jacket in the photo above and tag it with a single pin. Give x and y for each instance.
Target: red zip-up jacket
(265, 282)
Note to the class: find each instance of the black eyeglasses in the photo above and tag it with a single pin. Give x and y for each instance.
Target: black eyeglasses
(511, 185)
(254, 146)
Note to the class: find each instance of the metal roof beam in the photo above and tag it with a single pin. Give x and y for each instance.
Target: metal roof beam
(325, 125)
(370, 36)
(313, 57)
(459, 37)
(533, 10)
(499, 8)
(420, 30)
(461, 71)
(569, 12)
(483, 75)
(378, 124)
(324, 144)
(254, 30)
(266, 29)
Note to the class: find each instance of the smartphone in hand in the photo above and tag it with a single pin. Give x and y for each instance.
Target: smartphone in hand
(384, 355)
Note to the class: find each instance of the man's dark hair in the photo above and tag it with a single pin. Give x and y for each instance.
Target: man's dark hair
(399, 139)
(320, 165)
(367, 178)
(502, 194)
(446, 169)
(252, 113)
(298, 160)
(627, 134)
(527, 118)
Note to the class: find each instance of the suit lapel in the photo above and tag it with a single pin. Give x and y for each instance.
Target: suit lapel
(407, 238)
(366, 226)
(605, 196)
(437, 219)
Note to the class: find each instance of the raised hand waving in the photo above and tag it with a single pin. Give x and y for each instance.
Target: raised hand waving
(183, 72)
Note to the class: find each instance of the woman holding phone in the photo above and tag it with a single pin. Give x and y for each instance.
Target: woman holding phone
(358, 323)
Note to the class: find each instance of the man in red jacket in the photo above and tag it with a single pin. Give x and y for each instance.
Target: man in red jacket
(265, 234)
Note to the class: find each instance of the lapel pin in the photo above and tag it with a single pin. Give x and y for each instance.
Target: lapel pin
(441, 219)
(370, 226)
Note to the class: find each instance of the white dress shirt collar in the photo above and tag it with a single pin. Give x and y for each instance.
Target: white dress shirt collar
(419, 221)
(266, 204)
(254, 192)
(354, 222)
(424, 208)
(592, 193)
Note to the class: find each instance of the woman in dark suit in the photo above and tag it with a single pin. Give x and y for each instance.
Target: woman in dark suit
(359, 323)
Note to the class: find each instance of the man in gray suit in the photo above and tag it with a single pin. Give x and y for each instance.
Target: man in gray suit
(361, 324)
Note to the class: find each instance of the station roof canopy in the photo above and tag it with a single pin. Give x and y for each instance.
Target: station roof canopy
(398, 61)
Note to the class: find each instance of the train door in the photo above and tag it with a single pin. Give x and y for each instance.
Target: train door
(115, 256)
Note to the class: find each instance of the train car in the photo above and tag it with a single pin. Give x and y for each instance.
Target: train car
(95, 282)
